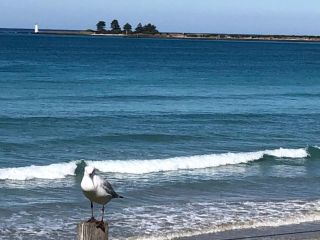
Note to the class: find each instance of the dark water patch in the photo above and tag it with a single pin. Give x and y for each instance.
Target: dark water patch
(99, 99)
(127, 97)
(15, 146)
(303, 95)
(162, 115)
(262, 115)
(123, 138)
(314, 153)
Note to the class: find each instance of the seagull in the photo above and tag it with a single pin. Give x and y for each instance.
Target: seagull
(97, 190)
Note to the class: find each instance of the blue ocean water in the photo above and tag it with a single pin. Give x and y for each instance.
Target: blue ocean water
(198, 136)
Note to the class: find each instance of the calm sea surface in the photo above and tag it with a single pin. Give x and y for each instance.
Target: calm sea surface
(198, 136)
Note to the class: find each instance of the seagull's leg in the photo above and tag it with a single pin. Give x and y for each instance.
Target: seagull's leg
(102, 213)
(92, 217)
(101, 223)
(92, 211)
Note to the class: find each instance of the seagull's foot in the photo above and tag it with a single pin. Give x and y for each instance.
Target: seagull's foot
(100, 224)
(92, 220)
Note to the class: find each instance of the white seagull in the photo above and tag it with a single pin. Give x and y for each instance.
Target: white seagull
(96, 190)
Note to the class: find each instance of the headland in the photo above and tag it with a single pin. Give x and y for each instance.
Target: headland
(196, 36)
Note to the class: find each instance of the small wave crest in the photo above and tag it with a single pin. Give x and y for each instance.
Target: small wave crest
(193, 162)
(62, 170)
(52, 171)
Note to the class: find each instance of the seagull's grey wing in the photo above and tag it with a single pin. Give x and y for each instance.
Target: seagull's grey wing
(109, 189)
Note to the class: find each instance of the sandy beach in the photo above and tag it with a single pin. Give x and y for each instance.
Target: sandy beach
(305, 231)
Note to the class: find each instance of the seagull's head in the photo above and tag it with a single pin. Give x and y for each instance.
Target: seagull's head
(89, 170)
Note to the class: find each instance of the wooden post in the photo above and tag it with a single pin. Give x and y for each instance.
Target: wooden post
(91, 231)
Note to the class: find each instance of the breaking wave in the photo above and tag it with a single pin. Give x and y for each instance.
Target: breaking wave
(52, 171)
(62, 170)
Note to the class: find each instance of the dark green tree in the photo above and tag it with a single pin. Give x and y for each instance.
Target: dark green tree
(127, 28)
(150, 29)
(115, 27)
(101, 26)
(139, 28)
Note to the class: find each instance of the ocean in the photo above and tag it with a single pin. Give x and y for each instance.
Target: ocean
(198, 136)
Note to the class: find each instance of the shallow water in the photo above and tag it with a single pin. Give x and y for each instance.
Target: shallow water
(197, 135)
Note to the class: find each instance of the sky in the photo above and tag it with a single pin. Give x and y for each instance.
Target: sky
(209, 16)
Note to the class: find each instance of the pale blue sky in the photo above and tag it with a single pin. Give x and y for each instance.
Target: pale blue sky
(223, 16)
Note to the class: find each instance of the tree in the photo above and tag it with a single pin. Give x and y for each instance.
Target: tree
(150, 29)
(146, 29)
(139, 28)
(115, 27)
(101, 25)
(127, 28)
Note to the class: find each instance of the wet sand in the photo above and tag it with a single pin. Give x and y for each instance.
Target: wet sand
(305, 231)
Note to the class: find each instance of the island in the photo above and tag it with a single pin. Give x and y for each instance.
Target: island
(150, 31)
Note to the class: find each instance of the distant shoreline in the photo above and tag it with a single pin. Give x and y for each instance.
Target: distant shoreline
(177, 35)
(197, 36)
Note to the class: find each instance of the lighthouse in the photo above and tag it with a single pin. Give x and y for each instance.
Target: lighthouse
(36, 28)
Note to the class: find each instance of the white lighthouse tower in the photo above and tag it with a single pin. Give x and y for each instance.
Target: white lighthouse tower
(36, 28)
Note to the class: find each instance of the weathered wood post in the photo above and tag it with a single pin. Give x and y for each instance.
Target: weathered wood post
(92, 231)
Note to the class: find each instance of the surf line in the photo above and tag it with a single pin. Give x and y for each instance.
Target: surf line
(272, 235)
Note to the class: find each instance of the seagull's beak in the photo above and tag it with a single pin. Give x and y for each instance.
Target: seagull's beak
(91, 174)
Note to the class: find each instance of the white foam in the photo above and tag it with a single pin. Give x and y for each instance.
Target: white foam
(61, 170)
(295, 220)
(193, 162)
(204, 218)
(52, 171)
